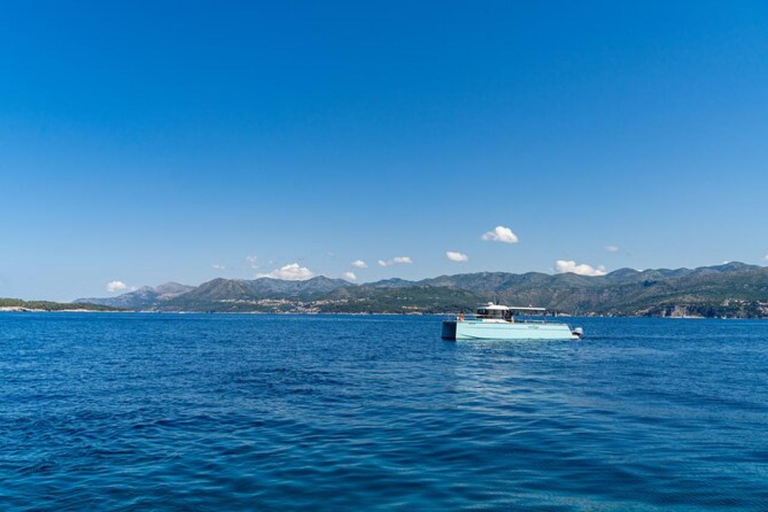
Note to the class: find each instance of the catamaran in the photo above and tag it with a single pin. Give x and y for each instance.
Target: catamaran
(497, 322)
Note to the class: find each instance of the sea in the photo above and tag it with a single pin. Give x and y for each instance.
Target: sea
(102, 411)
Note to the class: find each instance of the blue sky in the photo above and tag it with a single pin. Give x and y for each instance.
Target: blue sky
(143, 142)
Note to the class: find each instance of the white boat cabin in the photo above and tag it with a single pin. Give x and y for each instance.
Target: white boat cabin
(497, 312)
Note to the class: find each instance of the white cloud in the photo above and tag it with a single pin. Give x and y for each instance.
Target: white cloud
(290, 272)
(399, 260)
(359, 264)
(563, 266)
(218, 266)
(116, 286)
(349, 276)
(252, 261)
(766, 256)
(456, 256)
(500, 234)
(612, 248)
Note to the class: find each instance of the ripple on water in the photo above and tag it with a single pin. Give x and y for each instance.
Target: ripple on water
(185, 412)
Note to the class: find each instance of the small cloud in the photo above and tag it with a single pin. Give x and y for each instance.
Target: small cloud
(612, 248)
(218, 267)
(252, 261)
(290, 272)
(766, 256)
(500, 234)
(399, 260)
(349, 276)
(359, 264)
(456, 256)
(116, 286)
(562, 267)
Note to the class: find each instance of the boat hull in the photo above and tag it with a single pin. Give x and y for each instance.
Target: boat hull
(470, 330)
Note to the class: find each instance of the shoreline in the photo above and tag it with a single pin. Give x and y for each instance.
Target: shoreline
(21, 309)
(17, 309)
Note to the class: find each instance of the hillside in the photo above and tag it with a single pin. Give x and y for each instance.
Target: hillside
(144, 298)
(731, 290)
(43, 305)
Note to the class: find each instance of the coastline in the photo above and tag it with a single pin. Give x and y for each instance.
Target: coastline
(20, 309)
(17, 309)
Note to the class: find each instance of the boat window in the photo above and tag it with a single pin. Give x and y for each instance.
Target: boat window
(491, 313)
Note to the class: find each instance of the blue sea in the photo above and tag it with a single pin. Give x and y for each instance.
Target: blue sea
(259, 412)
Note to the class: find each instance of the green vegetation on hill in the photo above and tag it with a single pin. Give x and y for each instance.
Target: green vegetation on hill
(44, 305)
(415, 299)
(734, 290)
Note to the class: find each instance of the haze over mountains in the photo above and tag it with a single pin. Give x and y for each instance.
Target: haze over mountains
(732, 290)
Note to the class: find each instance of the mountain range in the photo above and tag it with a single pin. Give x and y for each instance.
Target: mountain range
(729, 290)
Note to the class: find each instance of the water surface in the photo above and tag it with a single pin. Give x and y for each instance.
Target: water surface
(228, 412)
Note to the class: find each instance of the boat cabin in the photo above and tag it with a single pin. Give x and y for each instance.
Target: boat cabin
(493, 311)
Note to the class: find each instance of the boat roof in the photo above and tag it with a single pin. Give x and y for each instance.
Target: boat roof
(498, 307)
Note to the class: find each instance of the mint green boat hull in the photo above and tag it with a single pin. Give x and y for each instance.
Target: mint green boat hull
(474, 330)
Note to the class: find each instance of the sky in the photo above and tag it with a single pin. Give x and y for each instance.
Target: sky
(145, 142)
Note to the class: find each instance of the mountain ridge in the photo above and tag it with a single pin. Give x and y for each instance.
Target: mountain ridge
(731, 289)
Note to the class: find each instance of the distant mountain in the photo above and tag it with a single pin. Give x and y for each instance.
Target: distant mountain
(171, 289)
(392, 283)
(623, 292)
(733, 289)
(212, 294)
(266, 287)
(243, 295)
(145, 298)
